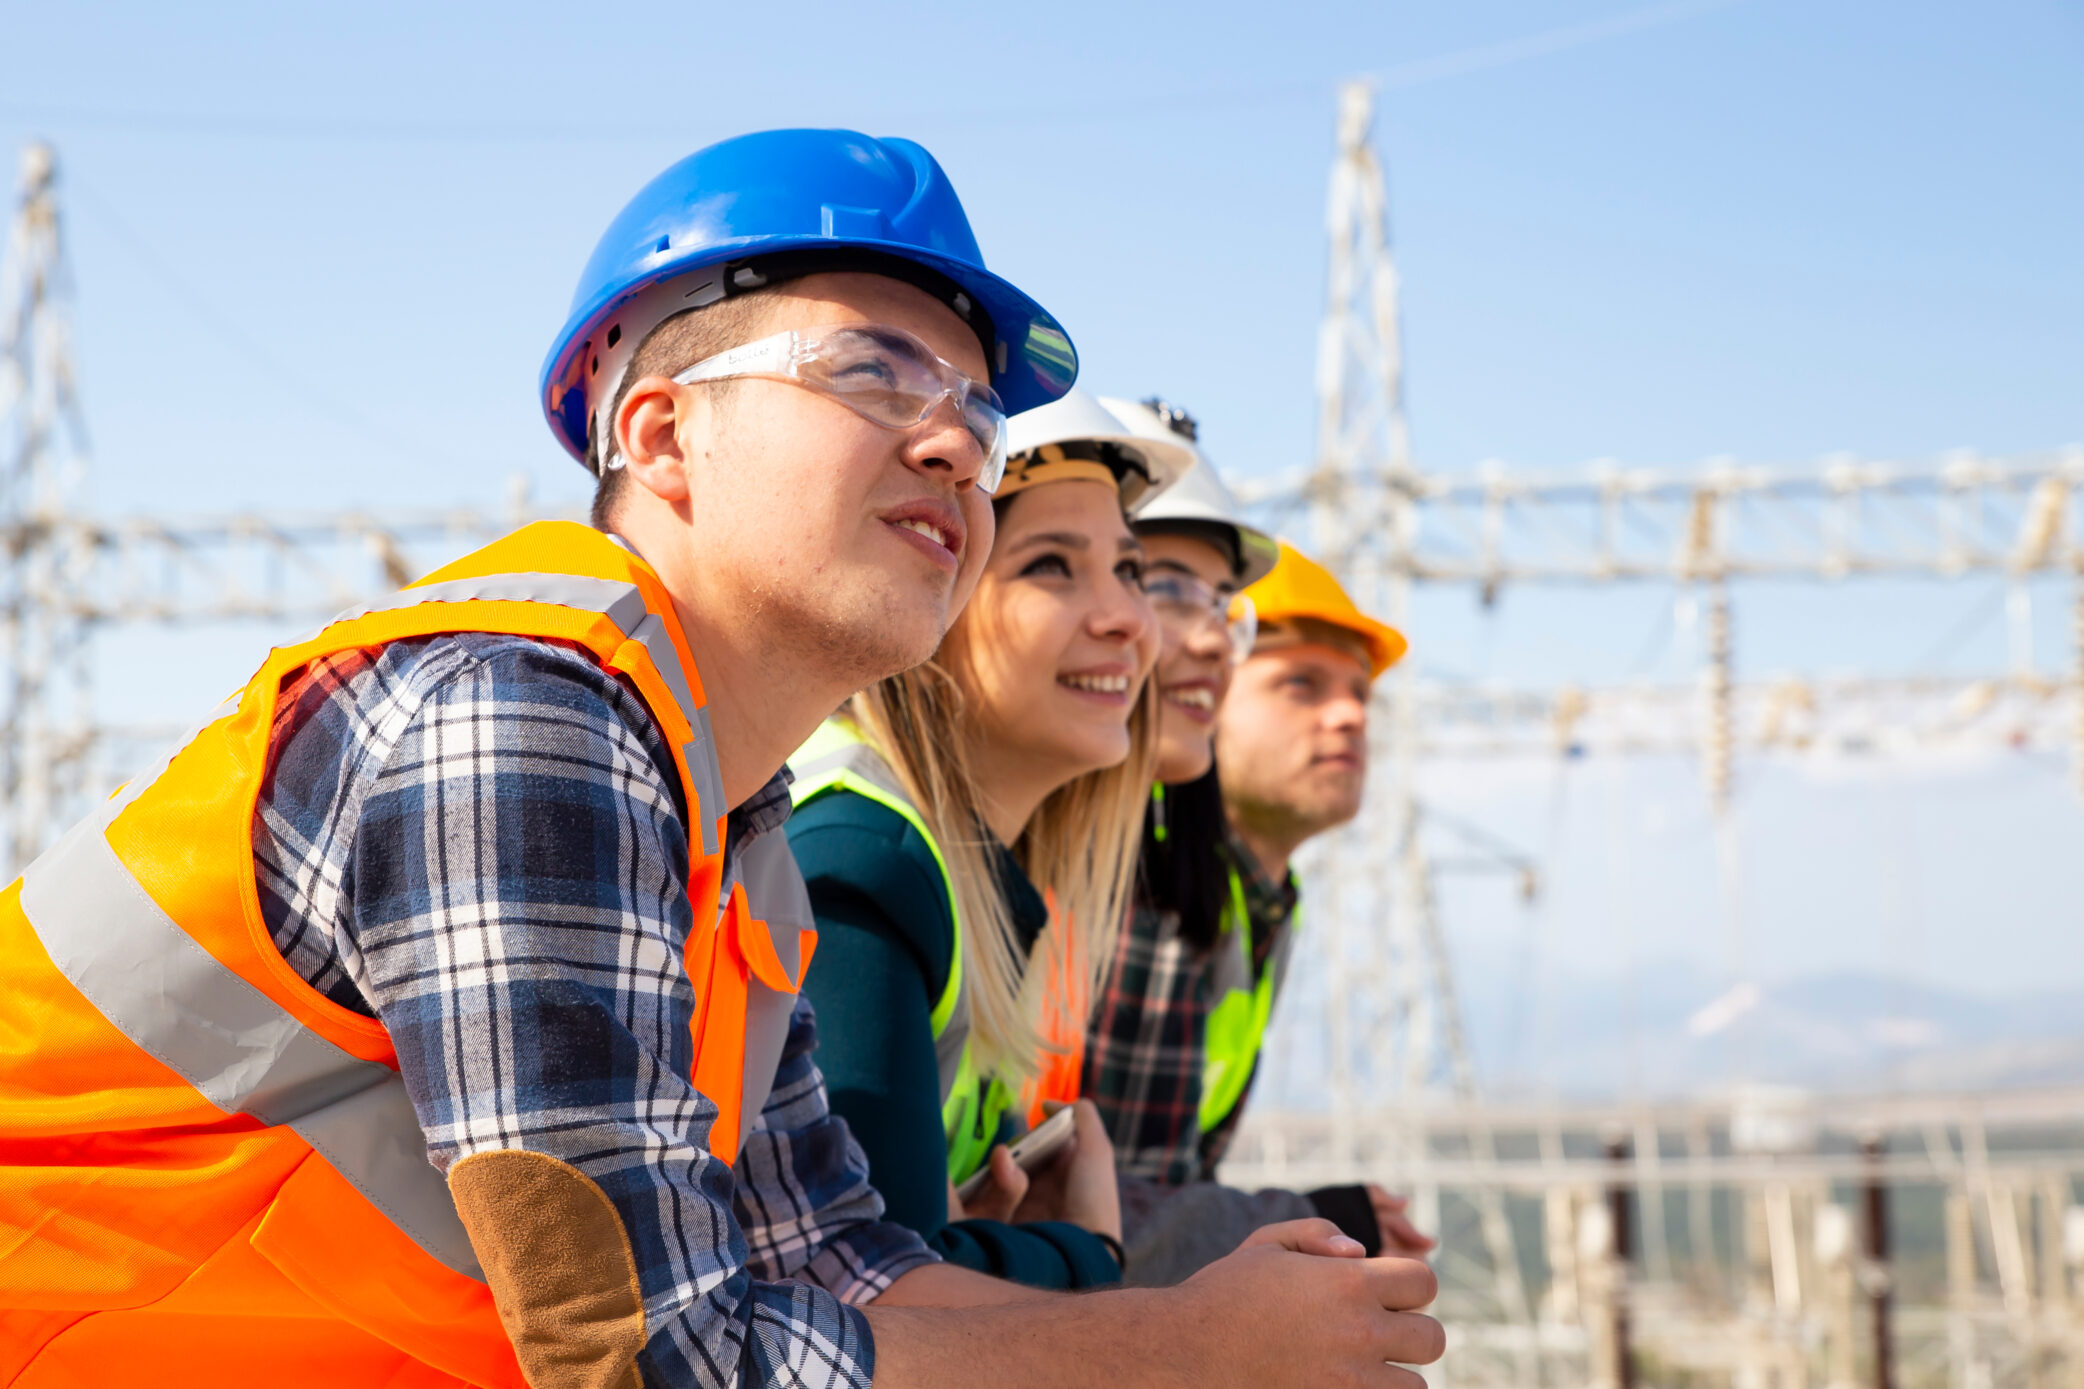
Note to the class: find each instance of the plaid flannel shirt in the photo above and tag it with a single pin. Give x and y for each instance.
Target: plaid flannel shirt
(1147, 1043)
(479, 840)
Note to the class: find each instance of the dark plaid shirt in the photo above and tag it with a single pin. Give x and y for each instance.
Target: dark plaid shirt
(1148, 1042)
(480, 840)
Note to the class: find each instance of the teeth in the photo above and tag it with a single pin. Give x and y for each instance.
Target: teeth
(927, 529)
(1098, 684)
(1194, 697)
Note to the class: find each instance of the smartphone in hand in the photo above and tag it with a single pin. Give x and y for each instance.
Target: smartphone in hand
(1030, 1151)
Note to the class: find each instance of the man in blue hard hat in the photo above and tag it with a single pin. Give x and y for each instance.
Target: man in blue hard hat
(516, 903)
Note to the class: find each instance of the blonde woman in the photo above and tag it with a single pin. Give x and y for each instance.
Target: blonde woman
(968, 831)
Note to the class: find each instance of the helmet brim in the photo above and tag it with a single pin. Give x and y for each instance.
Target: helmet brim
(1036, 361)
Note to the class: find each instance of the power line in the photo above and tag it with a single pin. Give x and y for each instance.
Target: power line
(1015, 113)
(313, 399)
(1551, 41)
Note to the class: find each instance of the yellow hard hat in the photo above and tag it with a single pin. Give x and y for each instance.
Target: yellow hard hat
(1299, 587)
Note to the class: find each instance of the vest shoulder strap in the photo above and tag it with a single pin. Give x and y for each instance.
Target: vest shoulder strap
(839, 758)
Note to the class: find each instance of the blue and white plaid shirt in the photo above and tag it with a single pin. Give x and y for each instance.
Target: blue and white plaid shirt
(480, 840)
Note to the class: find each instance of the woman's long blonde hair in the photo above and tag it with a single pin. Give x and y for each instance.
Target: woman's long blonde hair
(1079, 848)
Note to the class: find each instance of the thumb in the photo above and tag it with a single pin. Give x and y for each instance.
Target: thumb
(1312, 1236)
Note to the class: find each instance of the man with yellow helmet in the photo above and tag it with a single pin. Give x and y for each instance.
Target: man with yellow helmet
(1181, 1025)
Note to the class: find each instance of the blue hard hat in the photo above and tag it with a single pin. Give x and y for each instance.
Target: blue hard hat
(760, 207)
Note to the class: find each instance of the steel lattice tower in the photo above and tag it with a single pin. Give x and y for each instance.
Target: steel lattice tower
(1392, 1013)
(45, 726)
(1395, 1027)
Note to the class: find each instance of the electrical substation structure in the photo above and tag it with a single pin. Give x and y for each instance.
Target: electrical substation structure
(1725, 1241)
(1743, 1241)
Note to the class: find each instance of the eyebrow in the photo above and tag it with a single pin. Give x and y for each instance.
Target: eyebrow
(1173, 566)
(1075, 540)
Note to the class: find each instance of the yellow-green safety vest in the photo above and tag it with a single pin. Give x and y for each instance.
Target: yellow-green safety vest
(837, 758)
(1237, 1023)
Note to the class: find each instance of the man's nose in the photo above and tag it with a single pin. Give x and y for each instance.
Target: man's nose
(1347, 714)
(943, 447)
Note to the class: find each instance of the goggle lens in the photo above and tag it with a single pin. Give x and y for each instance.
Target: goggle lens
(1244, 628)
(1183, 603)
(891, 378)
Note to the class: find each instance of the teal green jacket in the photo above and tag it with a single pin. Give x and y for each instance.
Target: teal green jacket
(883, 955)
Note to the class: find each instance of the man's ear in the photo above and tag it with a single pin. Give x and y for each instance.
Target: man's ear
(650, 426)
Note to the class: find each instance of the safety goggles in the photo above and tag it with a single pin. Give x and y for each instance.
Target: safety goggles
(1183, 602)
(883, 374)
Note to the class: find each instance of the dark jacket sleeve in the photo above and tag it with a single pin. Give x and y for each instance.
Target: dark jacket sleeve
(883, 956)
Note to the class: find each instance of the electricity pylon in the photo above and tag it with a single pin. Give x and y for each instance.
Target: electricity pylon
(1394, 1015)
(43, 447)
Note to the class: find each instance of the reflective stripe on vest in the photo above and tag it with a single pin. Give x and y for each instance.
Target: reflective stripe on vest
(191, 1126)
(232, 1042)
(776, 898)
(623, 605)
(837, 758)
(1236, 1025)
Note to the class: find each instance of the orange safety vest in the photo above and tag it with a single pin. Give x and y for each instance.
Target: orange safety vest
(210, 1173)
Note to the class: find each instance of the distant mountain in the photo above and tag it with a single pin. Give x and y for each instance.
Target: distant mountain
(1676, 1031)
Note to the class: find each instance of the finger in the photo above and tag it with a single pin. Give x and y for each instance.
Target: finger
(1401, 1285)
(1407, 1238)
(1397, 1377)
(1004, 1186)
(1386, 1200)
(1059, 1161)
(1411, 1338)
(1006, 1174)
(1311, 1236)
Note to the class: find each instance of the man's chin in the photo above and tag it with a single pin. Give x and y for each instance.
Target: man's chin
(1335, 803)
(900, 640)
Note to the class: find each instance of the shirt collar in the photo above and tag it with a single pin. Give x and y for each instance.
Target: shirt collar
(764, 812)
(1266, 900)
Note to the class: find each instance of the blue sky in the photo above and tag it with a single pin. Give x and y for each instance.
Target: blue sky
(320, 254)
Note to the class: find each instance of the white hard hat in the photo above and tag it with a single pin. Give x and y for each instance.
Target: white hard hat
(1153, 462)
(1199, 498)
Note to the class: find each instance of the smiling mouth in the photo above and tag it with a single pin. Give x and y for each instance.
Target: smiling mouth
(1196, 697)
(1096, 684)
(926, 528)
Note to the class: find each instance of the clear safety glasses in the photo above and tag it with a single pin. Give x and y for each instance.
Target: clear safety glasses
(1183, 602)
(883, 374)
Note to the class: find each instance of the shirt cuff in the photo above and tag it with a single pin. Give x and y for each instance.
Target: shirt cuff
(858, 1265)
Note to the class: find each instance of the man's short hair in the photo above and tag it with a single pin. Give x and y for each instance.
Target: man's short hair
(673, 346)
(1275, 634)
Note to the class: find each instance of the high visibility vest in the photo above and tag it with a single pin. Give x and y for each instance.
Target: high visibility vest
(210, 1173)
(1236, 1025)
(838, 759)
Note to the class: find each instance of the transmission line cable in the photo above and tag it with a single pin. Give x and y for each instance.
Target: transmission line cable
(313, 399)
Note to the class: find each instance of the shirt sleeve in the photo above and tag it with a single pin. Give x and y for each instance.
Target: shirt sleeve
(1172, 1232)
(870, 989)
(872, 981)
(803, 1195)
(519, 916)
